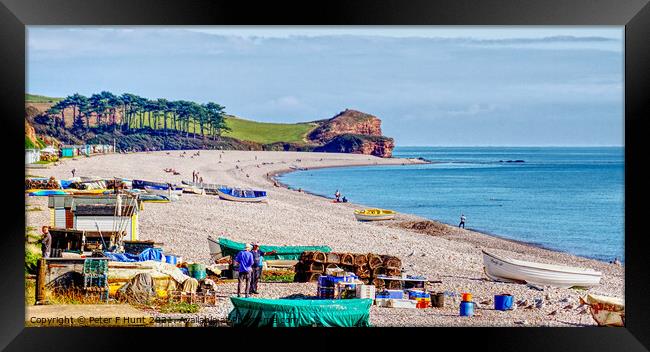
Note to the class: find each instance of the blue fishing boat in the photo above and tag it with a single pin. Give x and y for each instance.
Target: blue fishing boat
(241, 195)
(141, 184)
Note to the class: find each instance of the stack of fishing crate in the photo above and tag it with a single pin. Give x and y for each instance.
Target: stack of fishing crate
(95, 274)
(367, 267)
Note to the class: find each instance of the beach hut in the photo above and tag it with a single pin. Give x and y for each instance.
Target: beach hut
(32, 156)
(69, 151)
(96, 211)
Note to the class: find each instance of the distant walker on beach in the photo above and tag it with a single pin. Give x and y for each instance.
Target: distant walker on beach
(462, 221)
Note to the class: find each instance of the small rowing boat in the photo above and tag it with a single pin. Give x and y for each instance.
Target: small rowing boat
(208, 188)
(374, 214)
(154, 198)
(606, 311)
(140, 184)
(44, 192)
(87, 191)
(241, 195)
(506, 269)
(164, 191)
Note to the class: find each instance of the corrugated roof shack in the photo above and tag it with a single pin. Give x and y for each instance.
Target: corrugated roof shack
(98, 213)
(108, 218)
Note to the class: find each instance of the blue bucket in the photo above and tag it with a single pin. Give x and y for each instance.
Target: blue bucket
(503, 302)
(466, 309)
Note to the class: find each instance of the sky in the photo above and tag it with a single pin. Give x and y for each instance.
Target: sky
(430, 85)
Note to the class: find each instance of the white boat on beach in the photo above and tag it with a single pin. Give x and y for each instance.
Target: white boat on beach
(242, 195)
(512, 270)
(169, 192)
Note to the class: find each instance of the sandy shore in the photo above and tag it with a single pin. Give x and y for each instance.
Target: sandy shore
(295, 218)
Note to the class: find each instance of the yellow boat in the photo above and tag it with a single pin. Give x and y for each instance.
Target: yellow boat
(374, 214)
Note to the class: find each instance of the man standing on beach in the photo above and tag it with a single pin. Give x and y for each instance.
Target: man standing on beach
(256, 274)
(46, 240)
(73, 171)
(462, 221)
(245, 261)
(337, 195)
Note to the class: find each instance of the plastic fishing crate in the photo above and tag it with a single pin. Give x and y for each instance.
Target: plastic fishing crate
(396, 294)
(402, 303)
(365, 291)
(95, 266)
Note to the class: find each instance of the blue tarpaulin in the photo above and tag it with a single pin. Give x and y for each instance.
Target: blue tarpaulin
(147, 254)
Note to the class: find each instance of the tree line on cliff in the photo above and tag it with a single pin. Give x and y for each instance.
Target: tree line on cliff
(129, 112)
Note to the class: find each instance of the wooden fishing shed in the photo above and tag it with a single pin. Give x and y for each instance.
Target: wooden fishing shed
(96, 213)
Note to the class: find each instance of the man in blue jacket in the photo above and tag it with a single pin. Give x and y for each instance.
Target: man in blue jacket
(245, 261)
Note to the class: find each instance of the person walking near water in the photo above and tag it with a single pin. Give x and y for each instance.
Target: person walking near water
(46, 241)
(337, 195)
(462, 221)
(245, 261)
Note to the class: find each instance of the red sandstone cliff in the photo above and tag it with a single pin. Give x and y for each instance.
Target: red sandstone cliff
(352, 131)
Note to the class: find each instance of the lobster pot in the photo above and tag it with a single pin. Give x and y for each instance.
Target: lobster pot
(378, 283)
(360, 259)
(363, 272)
(374, 261)
(392, 263)
(347, 259)
(333, 258)
(319, 257)
(316, 268)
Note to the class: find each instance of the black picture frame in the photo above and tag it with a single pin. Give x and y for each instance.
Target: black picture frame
(634, 15)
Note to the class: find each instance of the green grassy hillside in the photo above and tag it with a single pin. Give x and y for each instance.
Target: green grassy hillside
(241, 129)
(262, 132)
(33, 98)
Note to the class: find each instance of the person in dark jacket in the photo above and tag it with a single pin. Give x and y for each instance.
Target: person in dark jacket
(46, 241)
(256, 274)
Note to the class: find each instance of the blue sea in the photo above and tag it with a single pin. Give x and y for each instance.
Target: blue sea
(569, 199)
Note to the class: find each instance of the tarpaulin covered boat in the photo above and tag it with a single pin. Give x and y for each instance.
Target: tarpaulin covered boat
(223, 247)
(259, 312)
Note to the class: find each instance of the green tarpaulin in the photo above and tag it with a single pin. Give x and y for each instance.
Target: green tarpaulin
(260, 312)
(229, 247)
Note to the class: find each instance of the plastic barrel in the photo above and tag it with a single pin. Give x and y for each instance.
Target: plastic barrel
(438, 300)
(466, 309)
(197, 271)
(503, 302)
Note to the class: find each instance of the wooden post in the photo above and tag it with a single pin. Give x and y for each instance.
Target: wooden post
(40, 282)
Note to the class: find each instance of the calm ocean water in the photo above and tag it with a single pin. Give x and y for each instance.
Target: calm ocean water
(567, 199)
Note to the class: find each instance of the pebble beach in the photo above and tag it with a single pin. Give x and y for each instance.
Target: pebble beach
(449, 255)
